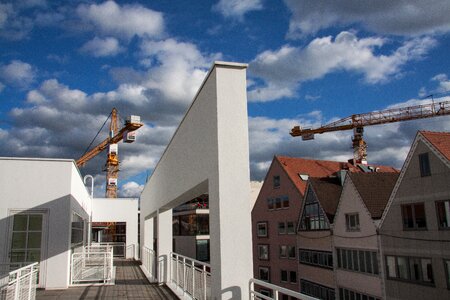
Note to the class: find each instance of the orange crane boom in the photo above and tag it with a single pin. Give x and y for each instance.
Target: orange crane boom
(358, 121)
(112, 162)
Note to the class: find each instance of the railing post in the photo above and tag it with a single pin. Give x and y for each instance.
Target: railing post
(184, 275)
(16, 288)
(193, 279)
(276, 295)
(31, 282)
(204, 282)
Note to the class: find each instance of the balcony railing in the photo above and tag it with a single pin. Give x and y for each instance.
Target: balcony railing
(120, 249)
(274, 291)
(148, 259)
(92, 265)
(20, 283)
(191, 276)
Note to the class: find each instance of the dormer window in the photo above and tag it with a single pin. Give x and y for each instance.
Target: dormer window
(276, 181)
(352, 221)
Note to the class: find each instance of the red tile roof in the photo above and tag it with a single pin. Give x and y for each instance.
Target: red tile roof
(440, 140)
(375, 190)
(317, 168)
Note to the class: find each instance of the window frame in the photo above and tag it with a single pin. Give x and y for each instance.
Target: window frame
(447, 227)
(266, 225)
(267, 269)
(293, 227)
(348, 226)
(284, 231)
(409, 278)
(276, 181)
(268, 251)
(447, 272)
(306, 257)
(413, 216)
(281, 276)
(424, 164)
(364, 262)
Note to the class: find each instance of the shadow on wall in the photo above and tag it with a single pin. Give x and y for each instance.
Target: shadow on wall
(55, 236)
(232, 292)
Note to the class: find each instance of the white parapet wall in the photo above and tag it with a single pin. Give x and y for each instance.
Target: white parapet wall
(209, 153)
(119, 210)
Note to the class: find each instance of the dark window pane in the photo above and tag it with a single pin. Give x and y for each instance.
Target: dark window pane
(424, 165)
(407, 213)
(419, 214)
(374, 262)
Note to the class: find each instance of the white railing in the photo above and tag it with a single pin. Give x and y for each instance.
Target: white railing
(193, 277)
(92, 265)
(21, 283)
(130, 251)
(119, 248)
(148, 259)
(274, 290)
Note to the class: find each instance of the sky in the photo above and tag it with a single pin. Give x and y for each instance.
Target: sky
(65, 64)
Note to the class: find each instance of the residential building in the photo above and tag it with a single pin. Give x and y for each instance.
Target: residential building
(314, 238)
(357, 258)
(276, 211)
(414, 232)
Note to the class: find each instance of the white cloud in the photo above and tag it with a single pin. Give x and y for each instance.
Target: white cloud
(18, 73)
(131, 189)
(413, 17)
(123, 21)
(444, 82)
(237, 8)
(99, 47)
(285, 69)
(13, 26)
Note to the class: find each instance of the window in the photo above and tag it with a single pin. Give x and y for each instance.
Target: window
(293, 277)
(346, 294)
(316, 290)
(291, 227)
(261, 229)
(352, 221)
(264, 273)
(26, 238)
(285, 200)
(270, 203)
(202, 250)
(443, 212)
(266, 293)
(414, 216)
(77, 230)
(284, 276)
(316, 258)
(357, 260)
(291, 252)
(424, 163)
(263, 252)
(413, 269)
(276, 181)
(447, 271)
(281, 228)
(283, 251)
(313, 218)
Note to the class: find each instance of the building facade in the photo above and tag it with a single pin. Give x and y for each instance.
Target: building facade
(415, 231)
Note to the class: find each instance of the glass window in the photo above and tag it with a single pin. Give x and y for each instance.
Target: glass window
(26, 238)
(402, 266)
(277, 203)
(77, 235)
(202, 250)
(443, 212)
(293, 277)
(283, 251)
(424, 163)
(270, 203)
(313, 217)
(263, 251)
(285, 200)
(291, 252)
(281, 228)
(352, 221)
(276, 181)
(414, 216)
(264, 273)
(291, 227)
(414, 269)
(261, 229)
(202, 224)
(447, 271)
(284, 276)
(427, 270)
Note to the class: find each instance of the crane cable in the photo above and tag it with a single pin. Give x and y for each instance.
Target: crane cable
(87, 149)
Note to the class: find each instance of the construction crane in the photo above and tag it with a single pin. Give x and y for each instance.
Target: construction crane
(128, 135)
(357, 123)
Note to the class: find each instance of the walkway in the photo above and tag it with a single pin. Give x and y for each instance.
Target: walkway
(131, 283)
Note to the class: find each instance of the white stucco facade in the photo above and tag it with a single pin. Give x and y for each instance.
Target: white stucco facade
(53, 189)
(119, 210)
(209, 154)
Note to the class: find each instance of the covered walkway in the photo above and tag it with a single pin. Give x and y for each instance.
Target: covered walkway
(131, 283)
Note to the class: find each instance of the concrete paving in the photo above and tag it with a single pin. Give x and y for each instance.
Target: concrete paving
(131, 283)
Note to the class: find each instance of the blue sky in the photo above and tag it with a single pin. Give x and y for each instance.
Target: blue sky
(65, 64)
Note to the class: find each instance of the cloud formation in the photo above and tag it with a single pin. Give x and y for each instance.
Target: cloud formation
(406, 18)
(237, 8)
(284, 69)
(17, 73)
(99, 47)
(131, 189)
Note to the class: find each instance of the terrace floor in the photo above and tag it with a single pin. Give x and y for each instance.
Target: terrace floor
(131, 283)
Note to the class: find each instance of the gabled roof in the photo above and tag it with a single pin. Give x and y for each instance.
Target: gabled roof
(440, 140)
(375, 190)
(317, 168)
(328, 191)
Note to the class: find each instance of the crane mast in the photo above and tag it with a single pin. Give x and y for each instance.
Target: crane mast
(126, 133)
(357, 122)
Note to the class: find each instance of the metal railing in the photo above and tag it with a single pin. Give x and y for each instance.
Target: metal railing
(193, 277)
(21, 283)
(148, 259)
(130, 251)
(119, 247)
(92, 265)
(275, 291)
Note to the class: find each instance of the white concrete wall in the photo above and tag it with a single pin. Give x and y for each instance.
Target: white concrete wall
(119, 210)
(53, 187)
(209, 154)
